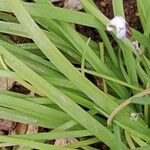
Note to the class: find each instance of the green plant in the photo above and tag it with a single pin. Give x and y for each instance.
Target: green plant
(63, 88)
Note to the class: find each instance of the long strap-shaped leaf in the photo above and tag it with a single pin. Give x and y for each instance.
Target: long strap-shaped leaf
(59, 98)
(79, 80)
(79, 43)
(53, 54)
(124, 43)
(30, 143)
(67, 16)
(49, 49)
(128, 55)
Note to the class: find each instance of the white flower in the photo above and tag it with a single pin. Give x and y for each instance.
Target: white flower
(118, 24)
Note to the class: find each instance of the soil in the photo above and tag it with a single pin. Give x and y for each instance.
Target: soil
(19, 89)
(17, 39)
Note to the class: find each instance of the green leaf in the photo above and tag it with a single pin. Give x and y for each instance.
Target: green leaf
(141, 100)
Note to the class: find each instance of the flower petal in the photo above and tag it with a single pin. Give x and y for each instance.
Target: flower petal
(118, 24)
(121, 34)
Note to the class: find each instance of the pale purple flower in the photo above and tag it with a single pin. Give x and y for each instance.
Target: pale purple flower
(118, 25)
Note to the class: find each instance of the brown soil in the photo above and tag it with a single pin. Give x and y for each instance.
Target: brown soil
(19, 89)
(18, 39)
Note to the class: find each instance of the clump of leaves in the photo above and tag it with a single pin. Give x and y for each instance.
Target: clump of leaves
(70, 102)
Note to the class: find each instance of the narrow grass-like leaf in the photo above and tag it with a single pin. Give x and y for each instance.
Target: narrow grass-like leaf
(59, 98)
(108, 45)
(92, 58)
(35, 30)
(142, 12)
(47, 113)
(88, 88)
(118, 11)
(123, 43)
(129, 140)
(7, 17)
(117, 136)
(57, 59)
(53, 135)
(143, 148)
(138, 141)
(112, 79)
(118, 8)
(17, 116)
(31, 144)
(141, 100)
(83, 143)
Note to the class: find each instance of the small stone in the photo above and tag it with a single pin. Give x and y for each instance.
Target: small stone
(73, 4)
(64, 141)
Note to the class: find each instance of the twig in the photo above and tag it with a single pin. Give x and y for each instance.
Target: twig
(124, 104)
